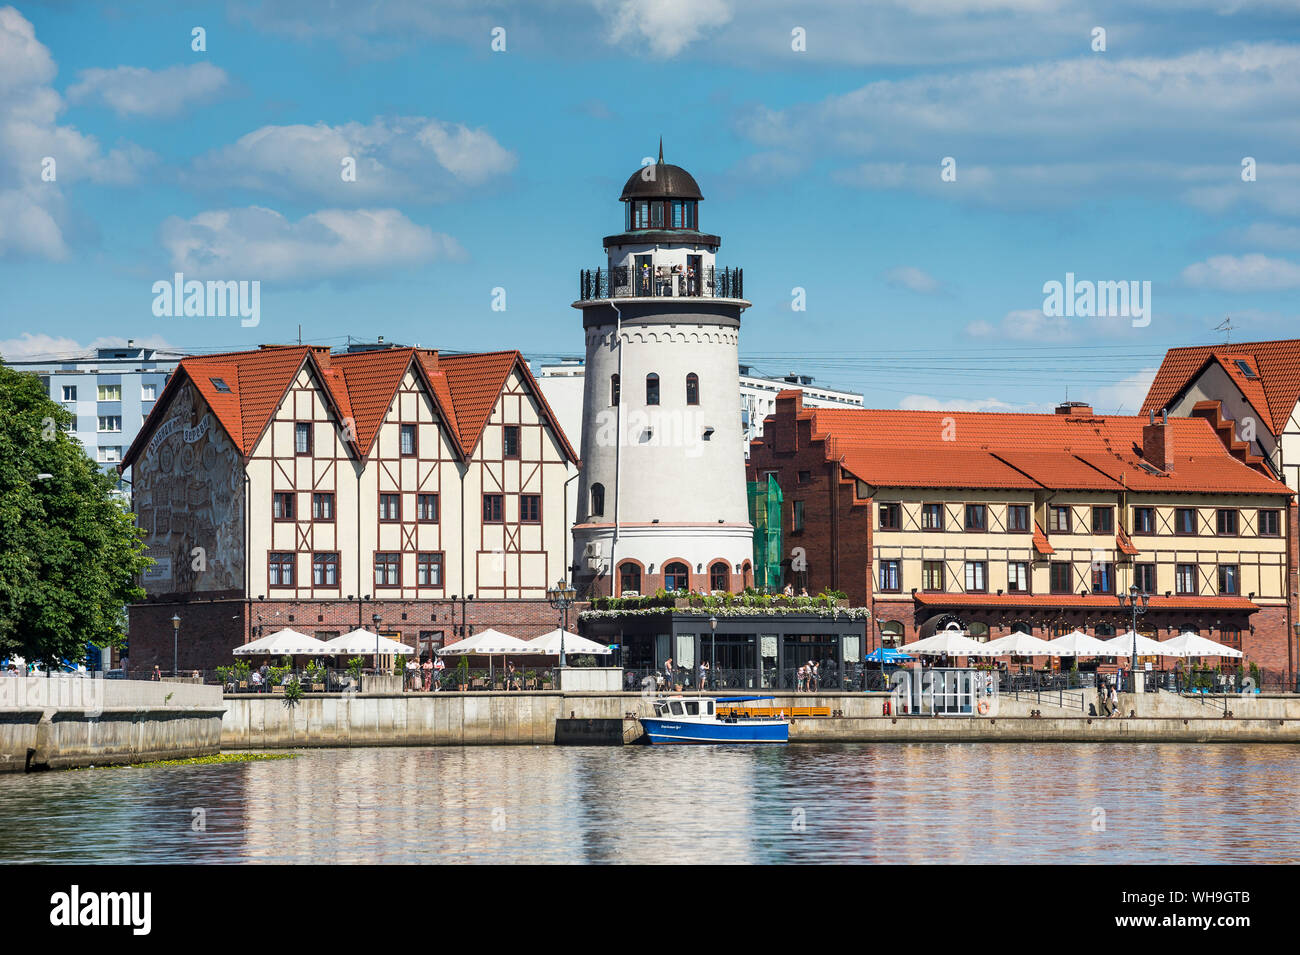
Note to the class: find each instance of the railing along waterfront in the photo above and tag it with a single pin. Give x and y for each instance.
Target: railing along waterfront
(626, 282)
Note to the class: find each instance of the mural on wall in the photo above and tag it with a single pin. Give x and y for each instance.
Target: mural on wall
(189, 496)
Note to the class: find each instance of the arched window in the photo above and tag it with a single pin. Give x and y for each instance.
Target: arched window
(692, 389)
(1022, 626)
(629, 577)
(597, 500)
(677, 576)
(613, 390)
(978, 631)
(1103, 630)
(891, 632)
(652, 389)
(720, 576)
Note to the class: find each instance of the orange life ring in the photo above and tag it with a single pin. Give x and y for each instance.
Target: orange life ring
(983, 707)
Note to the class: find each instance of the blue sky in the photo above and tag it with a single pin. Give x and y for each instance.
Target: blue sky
(821, 171)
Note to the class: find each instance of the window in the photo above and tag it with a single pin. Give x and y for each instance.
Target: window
(1060, 578)
(1270, 523)
(652, 389)
(1185, 520)
(613, 390)
(1230, 637)
(1018, 577)
(629, 577)
(530, 508)
(677, 576)
(890, 517)
(69, 392)
(1226, 518)
(1103, 520)
(597, 501)
(322, 506)
(1018, 517)
(1229, 583)
(148, 392)
(109, 393)
(931, 517)
(220, 385)
(1144, 577)
(388, 569)
(1244, 367)
(493, 508)
(719, 576)
(510, 440)
(932, 575)
(428, 570)
(279, 570)
(109, 453)
(325, 570)
(282, 505)
(390, 507)
(976, 517)
(70, 425)
(426, 508)
(110, 422)
(977, 576)
(408, 440)
(796, 519)
(891, 576)
(1185, 578)
(302, 438)
(692, 389)
(1103, 577)
(1144, 520)
(805, 477)
(1058, 520)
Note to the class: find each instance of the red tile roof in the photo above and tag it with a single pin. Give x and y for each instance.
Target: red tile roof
(1125, 543)
(1074, 601)
(1274, 395)
(1040, 540)
(963, 449)
(360, 386)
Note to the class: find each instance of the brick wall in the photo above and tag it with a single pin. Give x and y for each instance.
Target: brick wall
(211, 630)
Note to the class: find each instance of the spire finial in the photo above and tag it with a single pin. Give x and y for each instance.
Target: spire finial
(661, 150)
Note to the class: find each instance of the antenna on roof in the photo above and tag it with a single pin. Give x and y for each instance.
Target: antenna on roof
(1225, 326)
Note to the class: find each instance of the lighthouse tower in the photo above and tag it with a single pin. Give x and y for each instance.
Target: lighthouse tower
(661, 500)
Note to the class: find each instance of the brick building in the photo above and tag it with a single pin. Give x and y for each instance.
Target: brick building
(1035, 522)
(291, 487)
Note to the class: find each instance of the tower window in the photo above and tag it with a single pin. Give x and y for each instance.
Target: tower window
(720, 576)
(677, 576)
(597, 500)
(692, 389)
(613, 390)
(652, 389)
(629, 577)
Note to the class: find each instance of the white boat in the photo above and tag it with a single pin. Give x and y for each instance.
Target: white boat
(695, 719)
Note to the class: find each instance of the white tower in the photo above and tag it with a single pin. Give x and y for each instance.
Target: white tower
(661, 500)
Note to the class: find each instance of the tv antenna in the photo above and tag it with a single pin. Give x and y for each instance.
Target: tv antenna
(1225, 326)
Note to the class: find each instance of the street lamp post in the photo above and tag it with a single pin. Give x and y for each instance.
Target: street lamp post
(713, 650)
(880, 630)
(176, 644)
(561, 598)
(1136, 602)
(376, 618)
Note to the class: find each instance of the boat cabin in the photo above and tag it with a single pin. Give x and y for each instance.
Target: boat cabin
(686, 706)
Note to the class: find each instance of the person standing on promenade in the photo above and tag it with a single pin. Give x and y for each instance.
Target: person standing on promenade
(156, 675)
(668, 674)
(1113, 701)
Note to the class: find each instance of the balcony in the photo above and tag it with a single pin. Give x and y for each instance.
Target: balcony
(662, 283)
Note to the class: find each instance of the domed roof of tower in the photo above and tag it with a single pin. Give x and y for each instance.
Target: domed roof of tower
(667, 182)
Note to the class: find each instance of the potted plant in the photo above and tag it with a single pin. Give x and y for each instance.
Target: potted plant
(462, 674)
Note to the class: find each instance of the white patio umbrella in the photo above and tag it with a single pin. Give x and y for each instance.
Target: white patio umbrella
(286, 642)
(1190, 644)
(549, 643)
(1076, 643)
(1122, 646)
(488, 643)
(366, 642)
(952, 643)
(1020, 644)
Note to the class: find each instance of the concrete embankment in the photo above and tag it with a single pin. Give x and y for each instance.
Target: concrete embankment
(61, 722)
(457, 719)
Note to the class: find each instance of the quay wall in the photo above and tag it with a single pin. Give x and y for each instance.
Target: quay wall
(62, 722)
(512, 718)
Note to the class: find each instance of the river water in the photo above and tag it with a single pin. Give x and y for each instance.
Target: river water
(910, 803)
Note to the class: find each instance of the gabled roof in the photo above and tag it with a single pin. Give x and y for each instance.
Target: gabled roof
(963, 449)
(1273, 395)
(244, 389)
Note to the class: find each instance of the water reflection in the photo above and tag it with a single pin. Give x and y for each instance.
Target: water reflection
(924, 802)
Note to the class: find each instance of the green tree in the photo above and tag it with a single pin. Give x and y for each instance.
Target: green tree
(70, 554)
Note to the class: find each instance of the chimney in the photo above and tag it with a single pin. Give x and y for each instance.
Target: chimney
(322, 355)
(1158, 442)
(1076, 409)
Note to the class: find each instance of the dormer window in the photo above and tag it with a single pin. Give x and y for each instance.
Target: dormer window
(1244, 367)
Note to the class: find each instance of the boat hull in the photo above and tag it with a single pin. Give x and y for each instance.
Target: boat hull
(669, 731)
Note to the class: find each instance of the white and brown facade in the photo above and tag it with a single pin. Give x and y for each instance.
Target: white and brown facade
(292, 487)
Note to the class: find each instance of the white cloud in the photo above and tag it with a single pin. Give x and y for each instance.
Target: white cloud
(39, 346)
(1026, 324)
(663, 27)
(136, 91)
(931, 403)
(400, 158)
(1243, 273)
(255, 243)
(913, 278)
(1123, 397)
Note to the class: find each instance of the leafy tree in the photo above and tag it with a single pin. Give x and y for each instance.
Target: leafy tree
(70, 554)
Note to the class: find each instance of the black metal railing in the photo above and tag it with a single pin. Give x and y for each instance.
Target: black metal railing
(627, 282)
